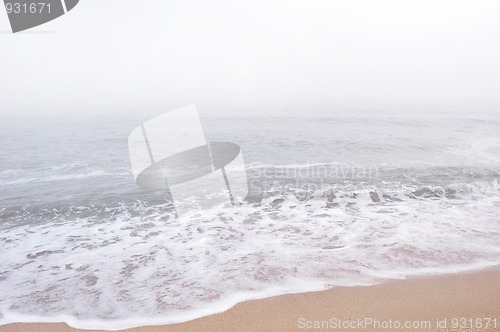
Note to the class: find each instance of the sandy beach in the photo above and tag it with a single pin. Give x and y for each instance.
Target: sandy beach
(263, 165)
(461, 302)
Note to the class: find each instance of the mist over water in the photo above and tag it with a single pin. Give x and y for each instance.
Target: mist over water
(342, 189)
(342, 199)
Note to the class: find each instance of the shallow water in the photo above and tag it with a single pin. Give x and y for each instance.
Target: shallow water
(339, 200)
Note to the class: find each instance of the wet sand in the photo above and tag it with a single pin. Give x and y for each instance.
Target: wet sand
(425, 302)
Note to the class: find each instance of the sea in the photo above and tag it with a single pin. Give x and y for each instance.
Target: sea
(335, 199)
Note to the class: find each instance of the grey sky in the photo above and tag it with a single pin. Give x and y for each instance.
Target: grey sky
(121, 56)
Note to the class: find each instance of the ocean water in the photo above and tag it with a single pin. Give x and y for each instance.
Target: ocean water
(334, 200)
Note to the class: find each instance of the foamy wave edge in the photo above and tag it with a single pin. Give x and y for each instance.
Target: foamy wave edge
(294, 287)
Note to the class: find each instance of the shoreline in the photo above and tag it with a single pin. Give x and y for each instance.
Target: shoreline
(427, 301)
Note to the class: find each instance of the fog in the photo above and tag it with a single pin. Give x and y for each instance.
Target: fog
(260, 56)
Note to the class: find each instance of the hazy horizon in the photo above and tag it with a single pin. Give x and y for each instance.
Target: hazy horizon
(266, 57)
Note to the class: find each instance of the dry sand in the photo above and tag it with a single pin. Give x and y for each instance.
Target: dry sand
(472, 295)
